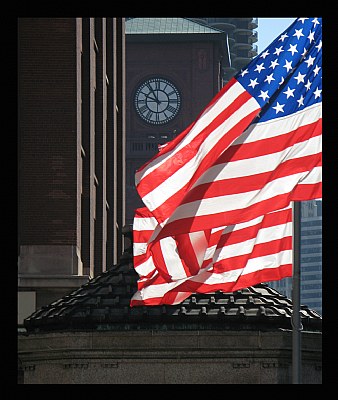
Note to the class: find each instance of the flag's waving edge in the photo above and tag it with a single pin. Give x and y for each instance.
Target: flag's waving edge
(254, 149)
(226, 258)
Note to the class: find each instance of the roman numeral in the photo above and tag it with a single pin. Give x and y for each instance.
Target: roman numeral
(143, 109)
(157, 85)
(171, 109)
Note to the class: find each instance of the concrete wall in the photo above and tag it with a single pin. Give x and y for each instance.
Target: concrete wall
(133, 357)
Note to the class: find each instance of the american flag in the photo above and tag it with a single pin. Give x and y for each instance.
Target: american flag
(255, 148)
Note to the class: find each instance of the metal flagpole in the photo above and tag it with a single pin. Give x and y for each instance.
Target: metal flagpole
(296, 319)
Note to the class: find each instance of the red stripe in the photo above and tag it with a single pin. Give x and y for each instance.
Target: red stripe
(221, 239)
(149, 182)
(235, 185)
(143, 212)
(160, 262)
(259, 250)
(173, 143)
(187, 254)
(252, 182)
(244, 281)
(247, 233)
(153, 280)
(162, 212)
(224, 143)
(271, 145)
(168, 298)
(140, 259)
(198, 223)
(307, 191)
(142, 236)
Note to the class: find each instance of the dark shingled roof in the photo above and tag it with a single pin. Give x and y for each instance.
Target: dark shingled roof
(103, 304)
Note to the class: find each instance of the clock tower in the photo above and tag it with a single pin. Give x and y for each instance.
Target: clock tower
(173, 70)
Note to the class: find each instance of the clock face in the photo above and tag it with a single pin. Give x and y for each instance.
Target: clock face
(157, 101)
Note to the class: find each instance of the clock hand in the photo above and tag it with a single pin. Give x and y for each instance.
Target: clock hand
(155, 98)
(155, 95)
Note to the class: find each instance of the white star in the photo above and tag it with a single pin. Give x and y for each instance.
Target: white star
(319, 46)
(253, 83)
(308, 84)
(266, 53)
(316, 70)
(298, 33)
(317, 92)
(259, 68)
(301, 101)
(269, 78)
(299, 78)
(311, 36)
(281, 81)
(315, 21)
(310, 61)
(289, 92)
(278, 50)
(264, 95)
(304, 52)
(302, 19)
(283, 37)
(274, 64)
(288, 65)
(244, 72)
(279, 108)
(293, 49)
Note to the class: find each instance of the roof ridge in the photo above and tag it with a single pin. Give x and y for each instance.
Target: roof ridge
(104, 301)
(166, 25)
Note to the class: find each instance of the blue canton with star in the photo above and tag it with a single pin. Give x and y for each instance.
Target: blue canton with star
(287, 76)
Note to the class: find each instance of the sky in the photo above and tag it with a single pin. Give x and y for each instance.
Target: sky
(269, 28)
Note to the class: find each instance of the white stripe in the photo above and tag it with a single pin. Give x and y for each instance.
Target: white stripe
(260, 164)
(265, 235)
(254, 265)
(282, 125)
(171, 258)
(199, 244)
(159, 290)
(144, 223)
(314, 176)
(205, 277)
(242, 200)
(181, 177)
(204, 120)
(269, 261)
(209, 254)
(145, 268)
(139, 248)
(241, 225)
(229, 170)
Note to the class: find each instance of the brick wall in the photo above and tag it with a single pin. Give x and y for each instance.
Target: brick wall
(71, 141)
(47, 131)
